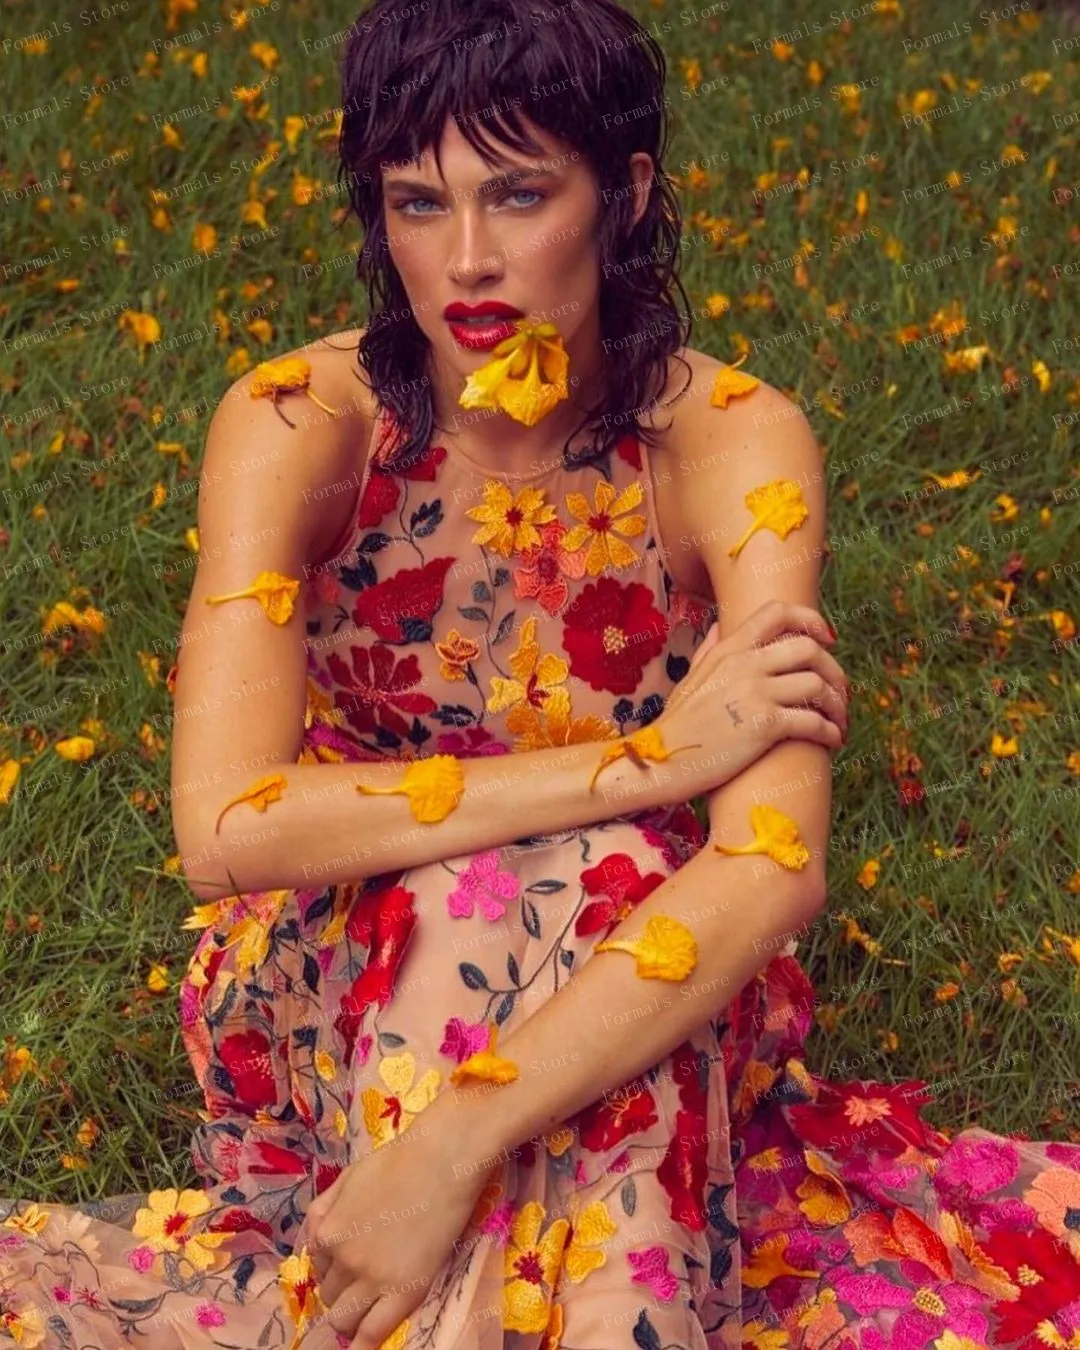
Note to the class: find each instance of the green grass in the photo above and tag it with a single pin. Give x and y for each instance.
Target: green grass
(87, 905)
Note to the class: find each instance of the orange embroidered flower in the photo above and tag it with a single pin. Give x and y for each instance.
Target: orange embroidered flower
(296, 1276)
(1054, 1195)
(602, 523)
(455, 652)
(546, 569)
(510, 522)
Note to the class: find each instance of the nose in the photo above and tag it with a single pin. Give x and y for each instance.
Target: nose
(473, 258)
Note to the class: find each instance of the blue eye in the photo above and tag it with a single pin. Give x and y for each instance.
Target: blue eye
(413, 201)
(529, 192)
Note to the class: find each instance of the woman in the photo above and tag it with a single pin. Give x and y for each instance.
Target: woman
(497, 1047)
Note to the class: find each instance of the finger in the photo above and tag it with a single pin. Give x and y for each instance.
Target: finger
(807, 689)
(777, 617)
(800, 724)
(802, 652)
(350, 1308)
(381, 1322)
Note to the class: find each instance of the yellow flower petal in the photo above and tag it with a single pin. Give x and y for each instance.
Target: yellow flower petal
(525, 377)
(777, 506)
(9, 776)
(666, 950)
(775, 835)
(434, 787)
(640, 746)
(485, 1066)
(76, 748)
(730, 382)
(290, 374)
(259, 795)
(275, 592)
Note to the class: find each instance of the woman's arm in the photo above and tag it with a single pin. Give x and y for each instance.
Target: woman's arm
(607, 1024)
(241, 692)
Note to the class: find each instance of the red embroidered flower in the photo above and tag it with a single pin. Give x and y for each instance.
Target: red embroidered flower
(611, 633)
(402, 608)
(246, 1057)
(617, 878)
(241, 1220)
(382, 494)
(376, 688)
(864, 1115)
(1048, 1279)
(684, 1170)
(383, 923)
(615, 1116)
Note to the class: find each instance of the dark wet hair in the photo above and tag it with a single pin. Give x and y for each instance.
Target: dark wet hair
(483, 64)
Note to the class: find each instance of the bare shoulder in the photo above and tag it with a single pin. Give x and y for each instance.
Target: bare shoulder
(709, 457)
(293, 446)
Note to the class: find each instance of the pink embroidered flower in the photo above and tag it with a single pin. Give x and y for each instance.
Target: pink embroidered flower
(462, 1039)
(61, 1293)
(483, 884)
(545, 568)
(933, 1309)
(141, 1259)
(974, 1167)
(651, 1269)
(472, 743)
(209, 1315)
(326, 588)
(498, 1222)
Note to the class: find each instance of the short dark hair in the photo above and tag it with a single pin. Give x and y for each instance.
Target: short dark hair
(587, 73)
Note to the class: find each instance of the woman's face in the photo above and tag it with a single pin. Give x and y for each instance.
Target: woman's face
(528, 241)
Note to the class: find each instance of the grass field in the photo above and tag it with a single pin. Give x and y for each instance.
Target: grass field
(882, 211)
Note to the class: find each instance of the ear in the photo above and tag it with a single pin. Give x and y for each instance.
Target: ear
(642, 177)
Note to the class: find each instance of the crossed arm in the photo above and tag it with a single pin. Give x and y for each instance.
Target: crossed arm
(742, 910)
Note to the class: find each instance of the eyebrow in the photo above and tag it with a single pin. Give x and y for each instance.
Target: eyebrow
(487, 186)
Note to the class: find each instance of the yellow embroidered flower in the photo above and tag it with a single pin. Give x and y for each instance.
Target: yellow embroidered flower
(531, 1264)
(589, 1232)
(777, 506)
(275, 592)
(665, 950)
(300, 1290)
(537, 680)
(638, 747)
(539, 728)
(166, 1224)
(289, 375)
(25, 1326)
(455, 652)
(434, 787)
(259, 795)
(822, 1196)
(775, 835)
(485, 1066)
(602, 523)
(730, 382)
(525, 377)
(31, 1222)
(387, 1116)
(251, 933)
(509, 521)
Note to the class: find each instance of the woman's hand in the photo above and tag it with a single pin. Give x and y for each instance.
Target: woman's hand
(382, 1232)
(770, 680)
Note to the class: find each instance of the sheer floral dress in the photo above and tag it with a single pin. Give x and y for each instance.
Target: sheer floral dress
(726, 1198)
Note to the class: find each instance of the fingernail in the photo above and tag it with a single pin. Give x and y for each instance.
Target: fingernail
(832, 631)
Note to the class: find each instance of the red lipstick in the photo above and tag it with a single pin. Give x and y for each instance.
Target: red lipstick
(492, 323)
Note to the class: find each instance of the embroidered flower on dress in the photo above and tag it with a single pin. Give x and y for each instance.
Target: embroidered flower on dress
(602, 524)
(483, 883)
(510, 521)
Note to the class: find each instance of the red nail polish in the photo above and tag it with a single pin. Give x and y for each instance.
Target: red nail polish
(832, 632)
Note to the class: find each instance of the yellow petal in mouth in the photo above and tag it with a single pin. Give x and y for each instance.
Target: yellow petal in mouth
(777, 506)
(666, 950)
(525, 376)
(775, 835)
(274, 591)
(433, 786)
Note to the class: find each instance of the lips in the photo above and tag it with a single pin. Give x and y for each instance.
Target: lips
(478, 327)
